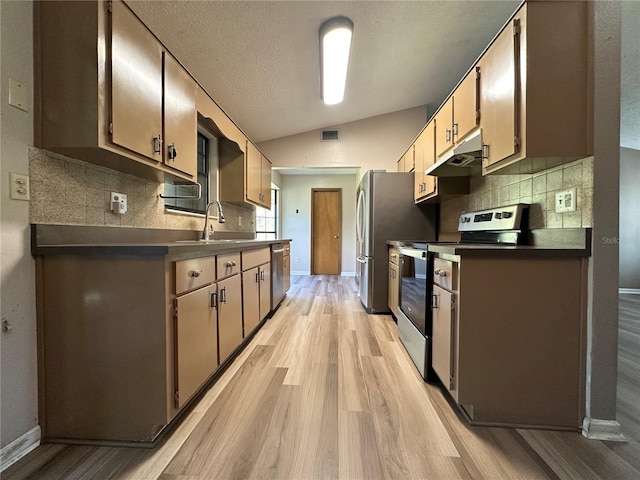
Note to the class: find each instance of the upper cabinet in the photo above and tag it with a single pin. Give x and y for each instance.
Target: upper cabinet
(458, 115)
(108, 92)
(534, 83)
(258, 188)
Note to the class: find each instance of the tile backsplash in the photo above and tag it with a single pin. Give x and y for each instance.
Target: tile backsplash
(537, 189)
(72, 192)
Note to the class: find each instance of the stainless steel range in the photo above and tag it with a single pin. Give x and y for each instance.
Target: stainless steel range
(506, 225)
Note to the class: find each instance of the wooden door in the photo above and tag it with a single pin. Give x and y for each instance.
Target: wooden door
(498, 96)
(229, 315)
(442, 338)
(196, 342)
(136, 84)
(326, 231)
(465, 106)
(443, 124)
(253, 183)
(180, 118)
(250, 299)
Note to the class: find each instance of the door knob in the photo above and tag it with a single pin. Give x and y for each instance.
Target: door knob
(336, 236)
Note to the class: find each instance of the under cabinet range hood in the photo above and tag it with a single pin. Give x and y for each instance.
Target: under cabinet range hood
(461, 161)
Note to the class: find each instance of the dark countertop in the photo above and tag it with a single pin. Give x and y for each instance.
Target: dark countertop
(85, 240)
(569, 242)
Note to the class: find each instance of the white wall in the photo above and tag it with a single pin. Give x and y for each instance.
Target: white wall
(296, 218)
(629, 219)
(374, 143)
(18, 408)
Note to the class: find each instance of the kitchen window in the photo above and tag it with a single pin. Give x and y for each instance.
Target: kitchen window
(267, 220)
(207, 158)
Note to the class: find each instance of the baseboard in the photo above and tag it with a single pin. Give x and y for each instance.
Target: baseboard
(17, 449)
(629, 291)
(608, 430)
(348, 274)
(300, 272)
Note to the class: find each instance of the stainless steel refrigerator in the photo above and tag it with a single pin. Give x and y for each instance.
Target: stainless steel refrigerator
(385, 210)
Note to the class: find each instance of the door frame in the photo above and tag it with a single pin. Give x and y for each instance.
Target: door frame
(339, 190)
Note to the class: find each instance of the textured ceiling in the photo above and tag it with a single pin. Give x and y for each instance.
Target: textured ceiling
(259, 59)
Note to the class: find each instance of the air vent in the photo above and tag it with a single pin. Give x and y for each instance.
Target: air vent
(328, 135)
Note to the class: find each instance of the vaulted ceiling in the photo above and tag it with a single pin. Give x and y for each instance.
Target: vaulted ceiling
(259, 59)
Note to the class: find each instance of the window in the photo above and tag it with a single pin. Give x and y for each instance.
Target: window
(267, 220)
(207, 158)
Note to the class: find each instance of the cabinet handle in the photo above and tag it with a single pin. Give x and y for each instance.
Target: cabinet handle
(455, 129)
(230, 264)
(262, 275)
(195, 273)
(257, 277)
(447, 135)
(157, 144)
(173, 153)
(485, 151)
(214, 300)
(434, 301)
(223, 295)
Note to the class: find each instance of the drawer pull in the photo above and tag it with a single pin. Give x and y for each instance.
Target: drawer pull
(230, 264)
(195, 273)
(440, 273)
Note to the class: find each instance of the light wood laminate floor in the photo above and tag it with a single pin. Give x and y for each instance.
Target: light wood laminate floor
(325, 391)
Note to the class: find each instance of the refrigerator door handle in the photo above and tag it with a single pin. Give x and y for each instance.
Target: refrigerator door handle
(361, 259)
(360, 217)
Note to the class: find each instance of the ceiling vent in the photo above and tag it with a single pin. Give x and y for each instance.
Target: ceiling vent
(328, 135)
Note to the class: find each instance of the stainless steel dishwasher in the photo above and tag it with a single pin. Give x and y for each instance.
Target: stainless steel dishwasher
(277, 274)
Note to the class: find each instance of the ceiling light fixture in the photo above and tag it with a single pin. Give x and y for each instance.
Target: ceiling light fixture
(335, 43)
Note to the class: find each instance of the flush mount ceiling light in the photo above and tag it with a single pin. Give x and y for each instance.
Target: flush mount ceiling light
(335, 43)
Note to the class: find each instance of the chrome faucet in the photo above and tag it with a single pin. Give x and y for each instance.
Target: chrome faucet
(220, 218)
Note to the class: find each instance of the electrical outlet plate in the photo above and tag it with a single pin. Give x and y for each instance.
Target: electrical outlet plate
(566, 201)
(19, 186)
(118, 203)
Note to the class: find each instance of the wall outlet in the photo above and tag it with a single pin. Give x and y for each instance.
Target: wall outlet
(566, 201)
(118, 203)
(19, 186)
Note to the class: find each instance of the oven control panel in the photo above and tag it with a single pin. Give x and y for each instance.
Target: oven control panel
(502, 218)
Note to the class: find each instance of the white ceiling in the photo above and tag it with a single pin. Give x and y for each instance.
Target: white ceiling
(259, 59)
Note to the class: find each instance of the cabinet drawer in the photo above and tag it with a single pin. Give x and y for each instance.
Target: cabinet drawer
(228, 264)
(445, 273)
(194, 273)
(253, 258)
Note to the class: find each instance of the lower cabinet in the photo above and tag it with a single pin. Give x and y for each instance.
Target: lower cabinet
(286, 267)
(256, 294)
(443, 345)
(229, 303)
(196, 326)
(394, 281)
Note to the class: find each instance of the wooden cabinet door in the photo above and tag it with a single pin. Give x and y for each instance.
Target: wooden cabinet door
(229, 315)
(465, 106)
(418, 172)
(180, 118)
(253, 185)
(265, 183)
(394, 289)
(196, 340)
(499, 68)
(136, 85)
(265, 290)
(443, 126)
(286, 273)
(428, 159)
(443, 336)
(251, 299)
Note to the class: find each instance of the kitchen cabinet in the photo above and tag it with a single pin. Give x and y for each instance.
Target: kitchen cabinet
(105, 104)
(229, 303)
(245, 177)
(286, 267)
(180, 118)
(534, 90)
(517, 358)
(256, 285)
(428, 188)
(458, 115)
(394, 281)
(196, 327)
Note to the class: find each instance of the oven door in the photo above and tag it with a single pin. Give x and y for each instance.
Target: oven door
(413, 287)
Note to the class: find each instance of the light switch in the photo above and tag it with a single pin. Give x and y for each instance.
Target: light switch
(19, 186)
(18, 95)
(566, 201)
